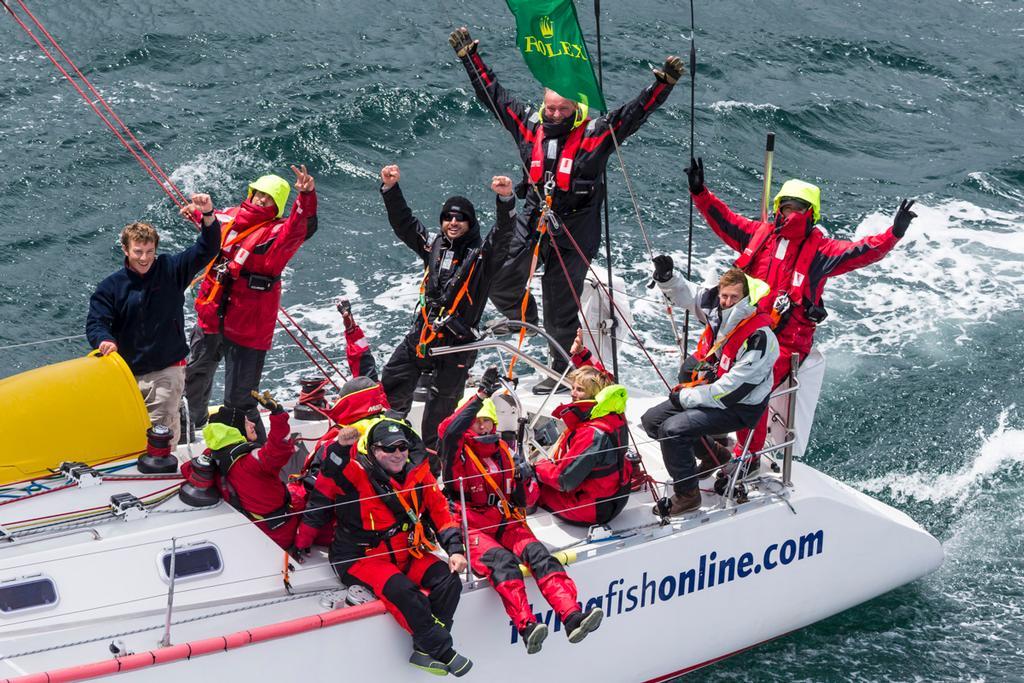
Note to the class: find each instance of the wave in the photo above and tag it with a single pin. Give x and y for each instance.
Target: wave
(1000, 450)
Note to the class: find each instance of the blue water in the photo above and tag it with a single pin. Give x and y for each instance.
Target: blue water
(872, 101)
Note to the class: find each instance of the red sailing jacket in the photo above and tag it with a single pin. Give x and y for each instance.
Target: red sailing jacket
(250, 312)
(372, 510)
(253, 480)
(487, 509)
(775, 262)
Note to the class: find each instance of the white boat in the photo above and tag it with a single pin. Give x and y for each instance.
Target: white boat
(84, 589)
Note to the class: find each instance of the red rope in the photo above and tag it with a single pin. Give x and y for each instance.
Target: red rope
(312, 343)
(308, 354)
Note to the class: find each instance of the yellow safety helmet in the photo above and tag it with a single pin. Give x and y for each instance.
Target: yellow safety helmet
(798, 189)
(274, 185)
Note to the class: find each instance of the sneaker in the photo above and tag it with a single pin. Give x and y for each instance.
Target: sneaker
(357, 595)
(458, 665)
(421, 660)
(548, 385)
(579, 624)
(533, 636)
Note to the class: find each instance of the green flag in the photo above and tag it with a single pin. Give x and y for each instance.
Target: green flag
(549, 36)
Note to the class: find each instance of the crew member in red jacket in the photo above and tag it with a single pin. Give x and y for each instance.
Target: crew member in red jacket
(386, 504)
(498, 488)
(240, 293)
(248, 475)
(795, 257)
(587, 479)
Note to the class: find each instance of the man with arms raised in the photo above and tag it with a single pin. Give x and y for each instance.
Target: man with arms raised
(560, 144)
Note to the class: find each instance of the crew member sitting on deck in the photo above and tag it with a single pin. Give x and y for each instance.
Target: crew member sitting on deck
(248, 475)
(587, 479)
(386, 504)
(498, 487)
(458, 268)
(729, 376)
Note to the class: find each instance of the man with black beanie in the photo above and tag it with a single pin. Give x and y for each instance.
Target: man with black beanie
(459, 266)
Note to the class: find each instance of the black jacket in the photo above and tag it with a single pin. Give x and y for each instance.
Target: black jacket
(579, 207)
(448, 264)
(145, 315)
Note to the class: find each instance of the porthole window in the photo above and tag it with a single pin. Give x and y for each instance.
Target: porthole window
(27, 593)
(191, 562)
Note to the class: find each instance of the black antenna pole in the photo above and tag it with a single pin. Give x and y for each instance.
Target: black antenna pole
(607, 230)
(689, 238)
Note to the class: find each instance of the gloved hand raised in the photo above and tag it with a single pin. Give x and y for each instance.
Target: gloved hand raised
(461, 42)
(662, 268)
(267, 401)
(489, 383)
(671, 71)
(695, 175)
(904, 215)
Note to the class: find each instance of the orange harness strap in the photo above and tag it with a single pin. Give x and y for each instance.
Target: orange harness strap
(419, 540)
(428, 333)
(542, 228)
(508, 510)
(224, 245)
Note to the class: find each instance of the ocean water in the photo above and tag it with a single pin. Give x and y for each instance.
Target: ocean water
(874, 101)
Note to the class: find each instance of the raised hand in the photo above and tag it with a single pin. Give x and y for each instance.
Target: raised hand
(904, 215)
(462, 42)
(695, 175)
(389, 176)
(671, 71)
(662, 268)
(502, 186)
(201, 203)
(303, 181)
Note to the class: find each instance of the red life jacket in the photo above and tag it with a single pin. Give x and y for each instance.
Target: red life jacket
(244, 284)
(733, 342)
(563, 171)
(799, 285)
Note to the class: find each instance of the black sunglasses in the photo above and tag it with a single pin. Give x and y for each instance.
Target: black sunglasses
(393, 448)
(455, 216)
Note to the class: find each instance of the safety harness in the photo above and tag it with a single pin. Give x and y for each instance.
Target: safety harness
(434, 329)
(729, 346)
(507, 509)
(563, 170)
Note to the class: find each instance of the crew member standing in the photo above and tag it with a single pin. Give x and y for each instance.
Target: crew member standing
(240, 293)
(558, 143)
(795, 257)
(459, 266)
(137, 311)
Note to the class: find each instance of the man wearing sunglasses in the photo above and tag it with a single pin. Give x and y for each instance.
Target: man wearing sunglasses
(795, 257)
(459, 265)
(387, 505)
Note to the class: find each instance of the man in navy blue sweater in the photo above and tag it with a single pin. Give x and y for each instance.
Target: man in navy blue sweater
(138, 310)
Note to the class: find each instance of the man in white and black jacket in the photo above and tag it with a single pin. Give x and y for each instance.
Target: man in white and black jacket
(724, 385)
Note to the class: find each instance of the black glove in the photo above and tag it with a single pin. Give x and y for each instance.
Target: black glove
(461, 42)
(671, 71)
(662, 268)
(903, 217)
(695, 175)
(298, 554)
(267, 401)
(489, 383)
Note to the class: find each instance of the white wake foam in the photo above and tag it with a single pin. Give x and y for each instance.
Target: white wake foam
(1000, 450)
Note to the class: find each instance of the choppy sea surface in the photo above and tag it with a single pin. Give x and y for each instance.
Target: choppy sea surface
(874, 101)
